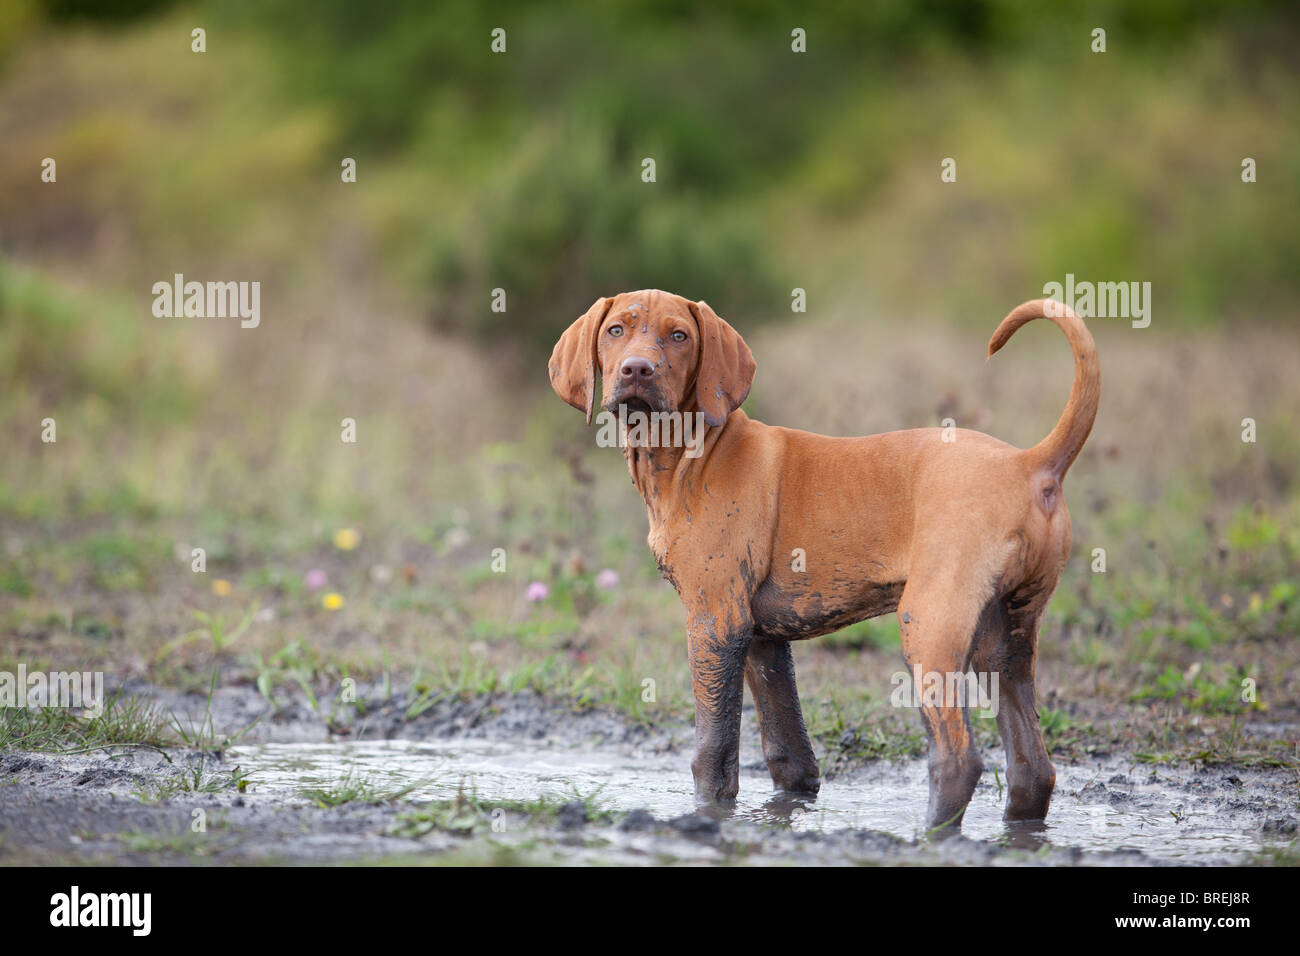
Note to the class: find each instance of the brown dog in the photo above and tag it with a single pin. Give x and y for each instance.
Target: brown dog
(962, 534)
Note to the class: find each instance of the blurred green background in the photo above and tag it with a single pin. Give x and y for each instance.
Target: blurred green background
(522, 171)
(775, 169)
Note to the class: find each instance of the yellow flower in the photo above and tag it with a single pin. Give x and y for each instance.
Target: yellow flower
(345, 539)
(221, 587)
(332, 601)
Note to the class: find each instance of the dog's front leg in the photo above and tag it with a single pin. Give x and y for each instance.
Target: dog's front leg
(718, 648)
(786, 748)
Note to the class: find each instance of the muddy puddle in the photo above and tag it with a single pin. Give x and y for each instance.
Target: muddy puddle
(128, 804)
(1172, 816)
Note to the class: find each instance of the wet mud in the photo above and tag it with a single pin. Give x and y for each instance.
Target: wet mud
(520, 779)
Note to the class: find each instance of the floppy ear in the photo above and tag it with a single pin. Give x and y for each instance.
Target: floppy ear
(573, 362)
(726, 366)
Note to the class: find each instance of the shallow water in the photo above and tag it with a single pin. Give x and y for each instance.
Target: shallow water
(1162, 820)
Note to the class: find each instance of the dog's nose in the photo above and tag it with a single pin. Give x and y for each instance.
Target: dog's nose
(636, 367)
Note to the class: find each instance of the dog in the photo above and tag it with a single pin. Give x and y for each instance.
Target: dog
(963, 535)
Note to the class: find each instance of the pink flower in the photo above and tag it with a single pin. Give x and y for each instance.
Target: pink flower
(537, 591)
(607, 580)
(314, 579)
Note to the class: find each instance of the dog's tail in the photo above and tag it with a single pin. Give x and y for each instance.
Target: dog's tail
(1058, 450)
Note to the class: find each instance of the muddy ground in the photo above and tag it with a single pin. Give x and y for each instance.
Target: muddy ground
(589, 787)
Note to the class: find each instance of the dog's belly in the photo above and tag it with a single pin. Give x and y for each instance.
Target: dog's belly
(800, 612)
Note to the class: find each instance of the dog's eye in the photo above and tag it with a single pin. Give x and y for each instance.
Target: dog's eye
(616, 330)
(679, 336)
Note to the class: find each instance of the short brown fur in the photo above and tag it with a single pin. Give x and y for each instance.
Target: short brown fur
(966, 539)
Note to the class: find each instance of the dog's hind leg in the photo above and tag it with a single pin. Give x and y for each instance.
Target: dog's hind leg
(1009, 647)
(769, 672)
(938, 614)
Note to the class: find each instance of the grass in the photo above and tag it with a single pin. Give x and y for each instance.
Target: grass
(1288, 855)
(467, 814)
(125, 722)
(194, 776)
(182, 843)
(216, 629)
(1132, 638)
(1172, 741)
(353, 787)
(128, 723)
(111, 583)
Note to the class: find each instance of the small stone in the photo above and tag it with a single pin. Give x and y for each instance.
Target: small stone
(1094, 789)
(638, 819)
(693, 824)
(1284, 825)
(572, 815)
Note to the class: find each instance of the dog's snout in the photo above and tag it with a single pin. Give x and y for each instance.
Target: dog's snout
(636, 367)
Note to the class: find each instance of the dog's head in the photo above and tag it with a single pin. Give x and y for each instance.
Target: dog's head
(654, 351)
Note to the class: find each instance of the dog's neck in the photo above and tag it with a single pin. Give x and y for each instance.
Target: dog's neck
(662, 473)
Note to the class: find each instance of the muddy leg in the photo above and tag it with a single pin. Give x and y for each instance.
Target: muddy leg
(1030, 775)
(769, 671)
(937, 634)
(1007, 645)
(718, 679)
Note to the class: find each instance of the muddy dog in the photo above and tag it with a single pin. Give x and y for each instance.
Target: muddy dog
(772, 535)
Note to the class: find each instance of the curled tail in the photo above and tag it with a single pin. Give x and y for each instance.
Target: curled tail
(1058, 450)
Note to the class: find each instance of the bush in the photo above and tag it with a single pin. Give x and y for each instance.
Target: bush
(572, 223)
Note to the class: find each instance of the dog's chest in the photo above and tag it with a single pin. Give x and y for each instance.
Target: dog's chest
(660, 548)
